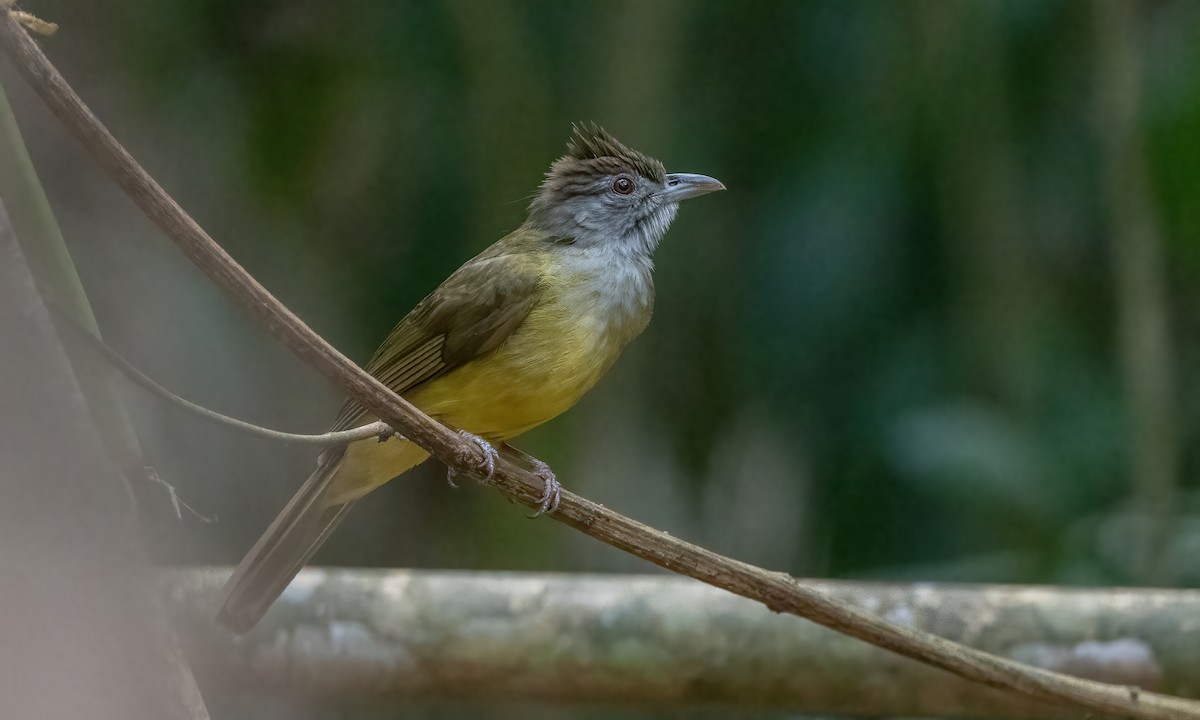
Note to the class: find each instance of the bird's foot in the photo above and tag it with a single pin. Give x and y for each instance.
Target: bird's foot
(551, 493)
(487, 468)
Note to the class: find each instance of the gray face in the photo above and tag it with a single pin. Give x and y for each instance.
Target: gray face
(619, 208)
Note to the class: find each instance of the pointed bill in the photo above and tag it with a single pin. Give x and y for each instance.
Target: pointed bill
(681, 186)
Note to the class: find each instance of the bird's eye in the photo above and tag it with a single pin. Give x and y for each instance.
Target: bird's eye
(622, 185)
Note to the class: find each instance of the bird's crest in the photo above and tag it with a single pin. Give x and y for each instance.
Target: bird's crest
(589, 141)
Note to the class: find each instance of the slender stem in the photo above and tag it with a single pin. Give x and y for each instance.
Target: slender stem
(1139, 272)
(777, 591)
(376, 429)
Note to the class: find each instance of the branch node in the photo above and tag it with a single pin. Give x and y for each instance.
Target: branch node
(29, 21)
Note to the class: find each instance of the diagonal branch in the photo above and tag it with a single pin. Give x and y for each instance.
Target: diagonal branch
(777, 591)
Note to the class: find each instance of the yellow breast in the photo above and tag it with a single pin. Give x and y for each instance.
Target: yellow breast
(569, 340)
(561, 350)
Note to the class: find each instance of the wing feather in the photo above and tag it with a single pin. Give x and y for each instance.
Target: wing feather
(411, 365)
(468, 316)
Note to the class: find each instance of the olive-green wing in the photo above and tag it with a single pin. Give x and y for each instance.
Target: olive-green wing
(467, 316)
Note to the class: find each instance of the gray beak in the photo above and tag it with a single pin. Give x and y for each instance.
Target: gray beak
(681, 186)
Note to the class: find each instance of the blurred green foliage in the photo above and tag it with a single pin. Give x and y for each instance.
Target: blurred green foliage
(889, 350)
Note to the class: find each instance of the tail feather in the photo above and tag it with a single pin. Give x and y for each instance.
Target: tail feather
(283, 550)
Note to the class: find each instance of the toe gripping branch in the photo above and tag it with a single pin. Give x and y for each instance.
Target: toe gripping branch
(551, 491)
(487, 468)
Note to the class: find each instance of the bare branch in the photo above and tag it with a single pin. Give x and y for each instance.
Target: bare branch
(777, 591)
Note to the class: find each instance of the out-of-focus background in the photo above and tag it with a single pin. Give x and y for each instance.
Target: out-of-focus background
(942, 325)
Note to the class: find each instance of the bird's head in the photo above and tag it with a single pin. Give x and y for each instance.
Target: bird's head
(602, 192)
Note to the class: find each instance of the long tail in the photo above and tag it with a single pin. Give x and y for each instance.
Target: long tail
(283, 549)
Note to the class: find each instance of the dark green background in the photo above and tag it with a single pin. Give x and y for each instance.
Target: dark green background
(890, 350)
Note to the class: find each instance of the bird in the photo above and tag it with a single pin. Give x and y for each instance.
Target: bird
(513, 338)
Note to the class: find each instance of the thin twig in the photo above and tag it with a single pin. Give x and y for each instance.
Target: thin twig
(377, 429)
(777, 591)
(178, 504)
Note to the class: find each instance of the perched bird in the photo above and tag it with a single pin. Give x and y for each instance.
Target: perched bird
(510, 340)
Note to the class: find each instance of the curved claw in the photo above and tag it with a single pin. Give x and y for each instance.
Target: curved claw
(551, 493)
(487, 468)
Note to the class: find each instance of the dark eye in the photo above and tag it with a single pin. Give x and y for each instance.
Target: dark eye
(622, 185)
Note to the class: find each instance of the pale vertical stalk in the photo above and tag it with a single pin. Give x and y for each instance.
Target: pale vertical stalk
(1138, 270)
(505, 106)
(54, 271)
(994, 279)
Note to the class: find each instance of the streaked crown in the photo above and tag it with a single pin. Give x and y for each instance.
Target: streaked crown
(592, 148)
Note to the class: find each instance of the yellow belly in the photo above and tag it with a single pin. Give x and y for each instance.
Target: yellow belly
(544, 368)
(539, 372)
